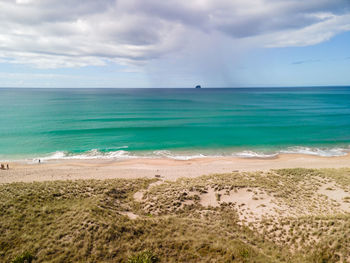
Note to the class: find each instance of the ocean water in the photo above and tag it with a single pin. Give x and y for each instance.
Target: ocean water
(177, 123)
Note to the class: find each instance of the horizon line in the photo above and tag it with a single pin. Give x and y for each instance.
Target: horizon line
(226, 87)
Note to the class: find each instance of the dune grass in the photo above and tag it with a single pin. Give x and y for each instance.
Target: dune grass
(86, 221)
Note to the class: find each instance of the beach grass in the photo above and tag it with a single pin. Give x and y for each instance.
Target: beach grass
(190, 220)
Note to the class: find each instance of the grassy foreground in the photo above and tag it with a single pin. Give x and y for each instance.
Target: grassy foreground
(101, 221)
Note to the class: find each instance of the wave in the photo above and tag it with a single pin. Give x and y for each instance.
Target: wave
(89, 155)
(324, 152)
(176, 155)
(252, 154)
(172, 155)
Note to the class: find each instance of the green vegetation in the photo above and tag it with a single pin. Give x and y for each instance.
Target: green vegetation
(144, 257)
(25, 257)
(100, 221)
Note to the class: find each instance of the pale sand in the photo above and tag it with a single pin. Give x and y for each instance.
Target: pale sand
(252, 207)
(168, 169)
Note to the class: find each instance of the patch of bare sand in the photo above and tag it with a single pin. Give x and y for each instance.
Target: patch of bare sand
(138, 196)
(252, 204)
(336, 194)
(131, 215)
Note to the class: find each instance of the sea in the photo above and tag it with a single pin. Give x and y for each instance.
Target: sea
(54, 124)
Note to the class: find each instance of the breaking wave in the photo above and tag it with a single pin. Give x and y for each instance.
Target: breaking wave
(89, 155)
(324, 152)
(177, 155)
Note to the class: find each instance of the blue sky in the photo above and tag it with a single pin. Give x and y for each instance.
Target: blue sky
(153, 43)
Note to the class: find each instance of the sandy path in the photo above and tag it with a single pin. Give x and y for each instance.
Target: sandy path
(169, 169)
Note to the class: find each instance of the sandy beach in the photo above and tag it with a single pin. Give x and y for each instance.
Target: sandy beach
(167, 169)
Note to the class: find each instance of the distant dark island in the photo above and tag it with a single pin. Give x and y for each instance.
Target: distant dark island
(198, 87)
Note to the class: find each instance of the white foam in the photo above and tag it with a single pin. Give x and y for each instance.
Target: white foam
(324, 152)
(252, 154)
(89, 155)
(169, 154)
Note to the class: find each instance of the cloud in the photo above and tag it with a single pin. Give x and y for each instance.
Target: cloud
(305, 61)
(312, 34)
(52, 34)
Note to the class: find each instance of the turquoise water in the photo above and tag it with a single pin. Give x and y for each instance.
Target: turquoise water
(113, 123)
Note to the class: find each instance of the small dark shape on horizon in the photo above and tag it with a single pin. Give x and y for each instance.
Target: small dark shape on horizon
(198, 87)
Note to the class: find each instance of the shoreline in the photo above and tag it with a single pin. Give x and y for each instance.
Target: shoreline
(166, 168)
(122, 153)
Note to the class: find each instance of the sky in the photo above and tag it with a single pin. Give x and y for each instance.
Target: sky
(174, 43)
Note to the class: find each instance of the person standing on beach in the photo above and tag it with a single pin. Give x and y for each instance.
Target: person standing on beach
(7, 167)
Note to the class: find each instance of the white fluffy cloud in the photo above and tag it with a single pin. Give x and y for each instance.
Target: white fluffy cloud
(73, 33)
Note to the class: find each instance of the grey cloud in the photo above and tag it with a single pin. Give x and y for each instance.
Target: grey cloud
(261, 25)
(50, 11)
(62, 33)
(279, 16)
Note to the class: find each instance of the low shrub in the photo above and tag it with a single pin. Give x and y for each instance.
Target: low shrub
(144, 257)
